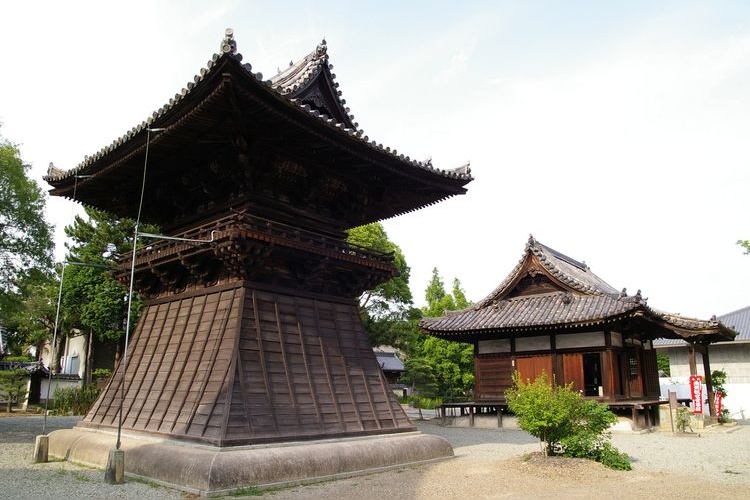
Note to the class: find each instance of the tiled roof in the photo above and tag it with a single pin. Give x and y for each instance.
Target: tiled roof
(738, 320)
(531, 311)
(389, 362)
(585, 299)
(282, 86)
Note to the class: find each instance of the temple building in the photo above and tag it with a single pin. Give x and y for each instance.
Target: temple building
(553, 314)
(250, 332)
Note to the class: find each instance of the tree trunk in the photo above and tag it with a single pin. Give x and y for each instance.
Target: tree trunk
(89, 359)
(55, 362)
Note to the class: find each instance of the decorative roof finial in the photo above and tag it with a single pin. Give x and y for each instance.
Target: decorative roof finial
(322, 48)
(228, 45)
(624, 293)
(638, 297)
(532, 242)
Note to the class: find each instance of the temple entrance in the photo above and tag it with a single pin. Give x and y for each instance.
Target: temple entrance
(592, 373)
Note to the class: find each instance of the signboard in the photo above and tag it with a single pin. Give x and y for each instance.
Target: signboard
(696, 393)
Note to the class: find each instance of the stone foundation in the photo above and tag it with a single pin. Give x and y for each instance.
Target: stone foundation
(208, 470)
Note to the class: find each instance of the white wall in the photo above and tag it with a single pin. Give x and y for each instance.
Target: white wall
(73, 355)
(61, 383)
(732, 358)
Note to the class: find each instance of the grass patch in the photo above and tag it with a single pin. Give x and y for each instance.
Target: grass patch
(250, 491)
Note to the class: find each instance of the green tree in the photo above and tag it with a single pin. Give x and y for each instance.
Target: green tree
(662, 363)
(25, 237)
(386, 309)
(421, 377)
(452, 363)
(93, 301)
(13, 386)
(745, 244)
(32, 322)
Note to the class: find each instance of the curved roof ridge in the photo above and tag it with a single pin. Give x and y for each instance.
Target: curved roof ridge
(299, 73)
(573, 273)
(228, 50)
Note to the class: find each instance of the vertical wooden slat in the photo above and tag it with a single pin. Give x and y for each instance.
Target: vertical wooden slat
(165, 330)
(146, 362)
(193, 334)
(287, 368)
(235, 364)
(329, 377)
(218, 336)
(178, 307)
(209, 358)
(347, 374)
(303, 347)
(137, 369)
(261, 354)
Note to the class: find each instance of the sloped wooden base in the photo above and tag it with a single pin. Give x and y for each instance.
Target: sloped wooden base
(233, 365)
(209, 470)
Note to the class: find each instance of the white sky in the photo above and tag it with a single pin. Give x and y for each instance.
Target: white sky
(614, 132)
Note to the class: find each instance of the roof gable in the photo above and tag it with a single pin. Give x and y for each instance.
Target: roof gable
(310, 81)
(544, 270)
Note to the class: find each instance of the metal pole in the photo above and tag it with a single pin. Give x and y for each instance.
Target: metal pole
(54, 342)
(124, 364)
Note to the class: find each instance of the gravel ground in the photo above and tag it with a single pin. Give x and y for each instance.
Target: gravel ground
(488, 464)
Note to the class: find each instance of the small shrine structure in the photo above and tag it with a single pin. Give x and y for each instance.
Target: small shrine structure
(252, 339)
(553, 314)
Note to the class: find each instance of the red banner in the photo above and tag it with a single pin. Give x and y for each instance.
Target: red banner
(696, 393)
(718, 404)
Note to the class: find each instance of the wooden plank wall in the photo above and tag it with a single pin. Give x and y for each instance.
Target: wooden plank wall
(530, 367)
(177, 368)
(493, 376)
(241, 366)
(306, 370)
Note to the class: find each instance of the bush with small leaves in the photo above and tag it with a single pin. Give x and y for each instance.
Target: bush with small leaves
(565, 423)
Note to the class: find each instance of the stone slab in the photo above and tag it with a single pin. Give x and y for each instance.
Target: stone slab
(210, 470)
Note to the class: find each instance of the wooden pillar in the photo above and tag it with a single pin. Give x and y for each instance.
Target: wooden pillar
(608, 375)
(709, 382)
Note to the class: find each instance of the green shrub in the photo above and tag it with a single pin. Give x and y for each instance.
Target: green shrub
(543, 410)
(565, 423)
(18, 359)
(682, 419)
(718, 379)
(74, 400)
(424, 403)
(101, 373)
(613, 458)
